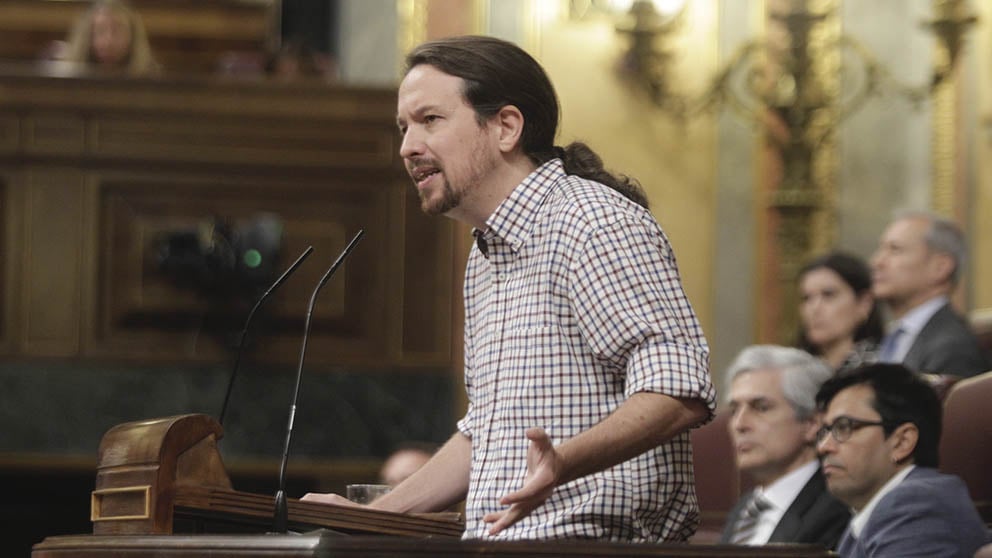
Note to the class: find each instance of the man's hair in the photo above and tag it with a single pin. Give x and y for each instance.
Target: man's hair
(943, 236)
(497, 73)
(855, 273)
(802, 374)
(901, 396)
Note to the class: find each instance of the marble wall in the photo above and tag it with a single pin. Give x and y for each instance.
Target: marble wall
(341, 415)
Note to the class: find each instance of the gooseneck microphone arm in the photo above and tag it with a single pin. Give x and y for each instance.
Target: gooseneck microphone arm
(281, 519)
(244, 332)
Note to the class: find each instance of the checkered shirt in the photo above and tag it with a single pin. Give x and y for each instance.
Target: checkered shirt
(576, 306)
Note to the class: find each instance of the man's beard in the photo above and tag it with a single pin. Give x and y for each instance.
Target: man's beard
(449, 200)
(481, 164)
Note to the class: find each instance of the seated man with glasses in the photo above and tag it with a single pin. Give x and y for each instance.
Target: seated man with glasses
(878, 449)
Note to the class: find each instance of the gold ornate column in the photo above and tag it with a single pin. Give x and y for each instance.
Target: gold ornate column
(949, 194)
(952, 19)
(803, 114)
(942, 150)
(412, 27)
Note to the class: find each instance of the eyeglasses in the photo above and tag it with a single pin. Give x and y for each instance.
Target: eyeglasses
(843, 427)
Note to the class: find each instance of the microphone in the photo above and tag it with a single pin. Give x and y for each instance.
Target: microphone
(281, 519)
(244, 332)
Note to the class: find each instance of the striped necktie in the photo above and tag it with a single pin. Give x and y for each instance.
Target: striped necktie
(747, 523)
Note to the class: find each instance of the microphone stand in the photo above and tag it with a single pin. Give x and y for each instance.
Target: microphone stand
(281, 520)
(244, 332)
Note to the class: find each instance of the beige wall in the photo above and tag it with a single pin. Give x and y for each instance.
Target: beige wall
(674, 163)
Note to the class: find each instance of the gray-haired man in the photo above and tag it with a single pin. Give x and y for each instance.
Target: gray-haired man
(915, 269)
(772, 398)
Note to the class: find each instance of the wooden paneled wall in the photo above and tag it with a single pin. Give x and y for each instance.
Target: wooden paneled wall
(94, 170)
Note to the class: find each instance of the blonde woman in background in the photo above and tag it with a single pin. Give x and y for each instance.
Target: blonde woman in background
(111, 36)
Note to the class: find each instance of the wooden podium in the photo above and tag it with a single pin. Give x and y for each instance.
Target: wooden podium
(322, 544)
(150, 473)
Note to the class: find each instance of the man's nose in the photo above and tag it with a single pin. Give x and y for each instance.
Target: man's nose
(412, 144)
(738, 421)
(876, 259)
(826, 445)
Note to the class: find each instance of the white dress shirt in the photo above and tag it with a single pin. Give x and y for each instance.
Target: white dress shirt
(860, 518)
(911, 324)
(780, 495)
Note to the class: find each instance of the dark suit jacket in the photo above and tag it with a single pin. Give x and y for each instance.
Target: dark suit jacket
(946, 345)
(814, 517)
(929, 514)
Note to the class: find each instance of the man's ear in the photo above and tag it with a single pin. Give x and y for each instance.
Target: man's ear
(941, 265)
(510, 123)
(864, 304)
(903, 441)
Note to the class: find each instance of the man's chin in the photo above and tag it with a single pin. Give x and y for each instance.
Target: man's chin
(880, 292)
(747, 465)
(435, 210)
(435, 207)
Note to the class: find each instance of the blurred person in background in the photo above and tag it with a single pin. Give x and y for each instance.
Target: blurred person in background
(917, 267)
(404, 462)
(297, 59)
(111, 36)
(840, 322)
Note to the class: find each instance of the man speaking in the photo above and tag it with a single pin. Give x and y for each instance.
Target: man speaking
(585, 365)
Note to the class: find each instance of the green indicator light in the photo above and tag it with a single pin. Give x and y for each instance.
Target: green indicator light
(252, 258)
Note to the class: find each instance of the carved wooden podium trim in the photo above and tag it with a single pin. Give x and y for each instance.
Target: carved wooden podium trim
(96, 502)
(153, 458)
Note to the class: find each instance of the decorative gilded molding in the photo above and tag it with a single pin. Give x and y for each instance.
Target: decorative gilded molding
(533, 26)
(480, 16)
(952, 20)
(823, 49)
(804, 103)
(412, 28)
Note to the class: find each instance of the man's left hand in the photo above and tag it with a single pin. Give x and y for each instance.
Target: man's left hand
(544, 468)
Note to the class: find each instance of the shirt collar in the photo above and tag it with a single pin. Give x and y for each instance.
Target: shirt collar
(515, 217)
(861, 518)
(915, 319)
(783, 491)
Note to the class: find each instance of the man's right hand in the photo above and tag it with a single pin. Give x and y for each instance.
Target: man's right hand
(438, 485)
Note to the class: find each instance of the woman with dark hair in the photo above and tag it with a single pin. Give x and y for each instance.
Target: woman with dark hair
(839, 319)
